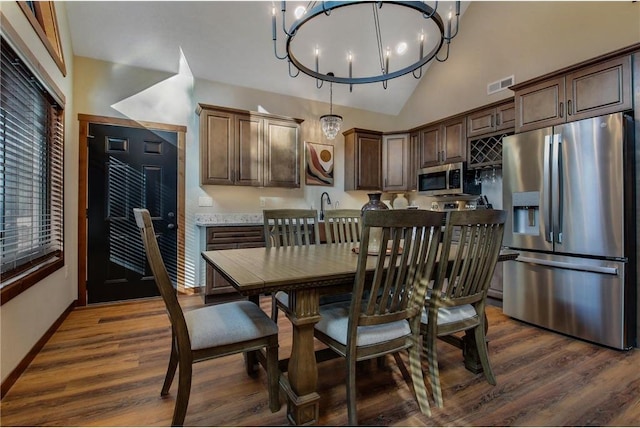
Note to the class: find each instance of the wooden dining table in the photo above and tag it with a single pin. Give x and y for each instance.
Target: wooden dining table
(306, 273)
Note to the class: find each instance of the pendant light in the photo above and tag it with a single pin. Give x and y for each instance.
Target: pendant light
(331, 123)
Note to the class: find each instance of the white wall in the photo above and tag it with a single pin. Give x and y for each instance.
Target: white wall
(25, 318)
(526, 39)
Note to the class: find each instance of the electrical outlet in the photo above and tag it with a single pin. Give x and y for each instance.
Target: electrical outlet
(263, 202)
(205, 201)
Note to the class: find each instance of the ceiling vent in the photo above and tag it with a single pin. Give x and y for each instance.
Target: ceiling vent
(500, 85)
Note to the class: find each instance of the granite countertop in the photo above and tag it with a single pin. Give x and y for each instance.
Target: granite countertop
(228, 219)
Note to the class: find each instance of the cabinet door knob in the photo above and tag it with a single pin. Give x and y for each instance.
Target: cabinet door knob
(569, 108)
(561, 109)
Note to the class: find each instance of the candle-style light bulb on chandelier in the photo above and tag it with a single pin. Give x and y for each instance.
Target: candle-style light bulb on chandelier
(315, 15)
(330, 122)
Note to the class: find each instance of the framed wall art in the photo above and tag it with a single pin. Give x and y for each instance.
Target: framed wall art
(318, 164)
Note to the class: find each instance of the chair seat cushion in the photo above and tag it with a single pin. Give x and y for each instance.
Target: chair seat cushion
(334, 321)
(226, 323)
(453, 314)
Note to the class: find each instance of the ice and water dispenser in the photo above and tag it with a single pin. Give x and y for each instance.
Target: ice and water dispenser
(526, 213)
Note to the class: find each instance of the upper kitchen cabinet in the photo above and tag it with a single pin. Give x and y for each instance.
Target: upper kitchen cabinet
(492, 120)
(282, 154)
(443, 142)
(248, 149)
(602, 89)
(414, 159)
(362, 160)
(592, 88)
(395, 162)
(217, 147)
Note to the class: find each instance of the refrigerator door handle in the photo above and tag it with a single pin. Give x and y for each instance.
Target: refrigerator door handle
(559, 195)
(547, 201)
(571, 266)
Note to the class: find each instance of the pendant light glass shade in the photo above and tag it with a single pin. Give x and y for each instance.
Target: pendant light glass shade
(331, 123)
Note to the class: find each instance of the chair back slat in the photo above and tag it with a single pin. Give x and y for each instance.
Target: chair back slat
(342, 226)
(475, 238)
(404, 264)
(290, 227)
(160, 274)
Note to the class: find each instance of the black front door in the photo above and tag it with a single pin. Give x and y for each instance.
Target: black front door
(128, 168)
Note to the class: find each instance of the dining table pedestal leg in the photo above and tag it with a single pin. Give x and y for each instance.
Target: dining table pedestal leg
(301, 382)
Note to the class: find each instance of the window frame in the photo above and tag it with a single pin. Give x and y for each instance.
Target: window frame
(28, 275)
(44, 21)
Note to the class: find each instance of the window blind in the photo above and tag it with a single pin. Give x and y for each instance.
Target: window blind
(31, 171)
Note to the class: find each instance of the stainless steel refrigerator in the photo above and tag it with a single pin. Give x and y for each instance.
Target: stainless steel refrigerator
(569, 191)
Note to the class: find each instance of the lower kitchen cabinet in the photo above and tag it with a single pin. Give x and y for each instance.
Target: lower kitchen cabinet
(218, 289)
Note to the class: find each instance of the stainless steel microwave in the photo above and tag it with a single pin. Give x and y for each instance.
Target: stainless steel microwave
(449, 179)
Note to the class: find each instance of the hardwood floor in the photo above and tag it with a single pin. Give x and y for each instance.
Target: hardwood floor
(105, 366)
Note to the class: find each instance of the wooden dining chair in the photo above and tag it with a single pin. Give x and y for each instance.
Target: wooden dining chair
(208, 332)
(471, 243)
(288, 228)
(383, 315)
(342, 226)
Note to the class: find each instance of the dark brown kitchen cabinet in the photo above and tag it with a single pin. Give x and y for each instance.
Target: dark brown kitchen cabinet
(218, 289)
(414, 158)
(362, 160)
(217, 147)
(540, 105)
(429, 145)
(244, 148)
(230, 148)
(443, 142)
(492, 120)
(282, 154)
(602, 89)
(395, 162)
(583, 91)
(249, 144)
(486, 151)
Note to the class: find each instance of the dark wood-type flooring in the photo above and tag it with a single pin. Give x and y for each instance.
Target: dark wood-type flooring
(105, 366)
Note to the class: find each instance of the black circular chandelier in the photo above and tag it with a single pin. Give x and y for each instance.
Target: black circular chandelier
(317, 14)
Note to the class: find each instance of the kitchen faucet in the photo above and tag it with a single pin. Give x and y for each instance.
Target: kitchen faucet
(322, 204)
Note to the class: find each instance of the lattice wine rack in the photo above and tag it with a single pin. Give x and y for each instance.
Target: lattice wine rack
(486, 151)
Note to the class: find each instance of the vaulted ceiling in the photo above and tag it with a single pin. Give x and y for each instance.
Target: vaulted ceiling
(231, 42)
